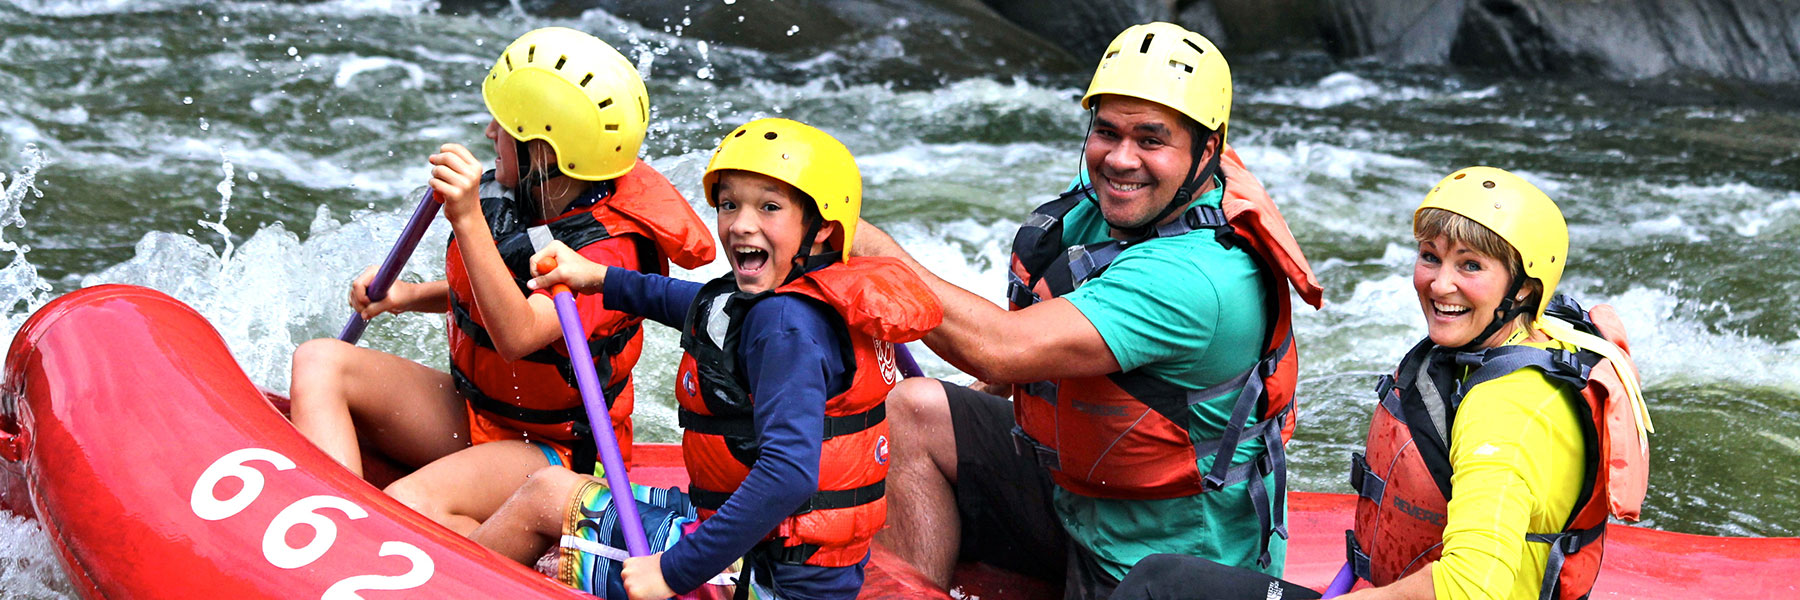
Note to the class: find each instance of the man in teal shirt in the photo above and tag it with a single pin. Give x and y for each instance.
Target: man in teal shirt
(1141, 321)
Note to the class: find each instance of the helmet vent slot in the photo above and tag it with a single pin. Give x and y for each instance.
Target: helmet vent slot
(1145, 47)
(769, 135)
(560, 61)
(605, 103)
(1190, 44)
(1112, 54)
(1176, 64)
(643, 108)
(585, 80)
(612, 126)
(508, 58)
(531, 54)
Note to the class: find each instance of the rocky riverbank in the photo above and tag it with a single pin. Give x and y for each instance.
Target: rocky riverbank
(1754, 41)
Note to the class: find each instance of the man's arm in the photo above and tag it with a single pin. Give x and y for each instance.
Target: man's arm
(1048, 339)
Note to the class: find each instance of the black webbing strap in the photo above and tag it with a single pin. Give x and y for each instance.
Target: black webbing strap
(1018, 293)
(1359, 560)
(483, 402)
(1561, 365)
(744, 426)
(1025, 445)
(1364, 480)
(606, 347)
(820, 500)
(1562, 546)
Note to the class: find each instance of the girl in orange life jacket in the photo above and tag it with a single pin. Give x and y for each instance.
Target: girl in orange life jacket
(569, 115)
(1539, 457)
(789, 360)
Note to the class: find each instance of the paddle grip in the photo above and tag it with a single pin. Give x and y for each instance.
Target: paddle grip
(396, 259)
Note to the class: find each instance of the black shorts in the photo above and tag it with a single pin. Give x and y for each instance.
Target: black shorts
(1002, 496)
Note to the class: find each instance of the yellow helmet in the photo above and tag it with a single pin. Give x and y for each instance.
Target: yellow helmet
(1169, 65)
(574, 91)
(1515, 210)
(800, 155)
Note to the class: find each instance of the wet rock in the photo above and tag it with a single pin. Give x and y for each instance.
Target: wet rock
(1755, 40)
(905, 42)
(1255, 25)
(1404, 31)
(1083, 27)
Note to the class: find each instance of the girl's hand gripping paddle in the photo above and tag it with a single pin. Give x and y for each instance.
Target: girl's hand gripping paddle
(396, 259)
(575, 338)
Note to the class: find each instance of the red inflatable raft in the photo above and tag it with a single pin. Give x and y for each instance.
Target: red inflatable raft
(160, 471)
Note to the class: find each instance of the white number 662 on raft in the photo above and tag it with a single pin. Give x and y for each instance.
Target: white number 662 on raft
(206, 504)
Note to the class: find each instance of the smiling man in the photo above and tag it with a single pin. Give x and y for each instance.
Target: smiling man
(1147, 352)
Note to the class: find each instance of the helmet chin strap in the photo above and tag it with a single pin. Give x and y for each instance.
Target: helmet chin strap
(1506, 312)
(804, 260)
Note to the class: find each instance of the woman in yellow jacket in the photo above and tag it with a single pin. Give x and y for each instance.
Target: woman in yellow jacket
(1524, 404)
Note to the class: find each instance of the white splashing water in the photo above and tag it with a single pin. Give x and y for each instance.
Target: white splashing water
(22, 290)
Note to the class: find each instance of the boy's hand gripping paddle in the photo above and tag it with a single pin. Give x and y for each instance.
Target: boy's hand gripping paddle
(396, 259)
(599, 421)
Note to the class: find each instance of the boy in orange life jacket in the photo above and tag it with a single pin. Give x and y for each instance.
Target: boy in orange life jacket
(569, 114)
(782, 388)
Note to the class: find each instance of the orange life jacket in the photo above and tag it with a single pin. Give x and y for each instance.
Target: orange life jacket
(1125, 435)
(536, 394)
(1403, 482)
(881, 303)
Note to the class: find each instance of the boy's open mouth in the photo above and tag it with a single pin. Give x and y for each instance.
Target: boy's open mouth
(751, 260)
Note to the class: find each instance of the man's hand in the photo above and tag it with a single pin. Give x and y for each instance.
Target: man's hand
(644, 579)
(456, 179)
(398, 297)
(571, 268)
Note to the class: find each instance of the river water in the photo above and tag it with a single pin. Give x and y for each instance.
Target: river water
(249, 158)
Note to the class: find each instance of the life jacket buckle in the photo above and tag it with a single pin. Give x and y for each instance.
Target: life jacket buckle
(1045, 455)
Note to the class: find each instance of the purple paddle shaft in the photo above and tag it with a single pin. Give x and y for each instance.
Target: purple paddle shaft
(1342, 583)
(396, 259)
(909, 367)
(575, 337)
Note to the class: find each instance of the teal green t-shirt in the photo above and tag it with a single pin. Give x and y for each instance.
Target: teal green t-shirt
(1193, 313)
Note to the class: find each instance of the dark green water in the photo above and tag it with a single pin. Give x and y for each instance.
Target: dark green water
(249, 158)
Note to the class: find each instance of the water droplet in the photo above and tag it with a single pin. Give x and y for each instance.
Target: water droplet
(205, 126)
(271, 37)
(292, 51)
(793, 30)
(187, 99)
(730, 2)
(704, 73)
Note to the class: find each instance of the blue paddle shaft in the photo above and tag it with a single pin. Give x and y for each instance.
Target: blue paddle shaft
(396, 260)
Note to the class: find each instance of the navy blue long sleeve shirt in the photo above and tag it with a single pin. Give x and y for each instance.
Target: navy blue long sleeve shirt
(792, 360)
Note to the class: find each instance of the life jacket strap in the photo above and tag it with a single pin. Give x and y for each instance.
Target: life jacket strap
(606, 347)
(485, 403)
(1025, 445)
(1356, 557)
(1364, 480)
(1018, 292)
(744, 426)
(1562, 545)
(820, 500)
